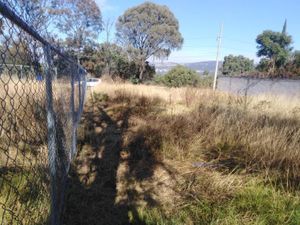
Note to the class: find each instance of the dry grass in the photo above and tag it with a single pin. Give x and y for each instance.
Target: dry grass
(254, 133)
(154, 155)
(23, 153)
(24, 172)
(181, 99)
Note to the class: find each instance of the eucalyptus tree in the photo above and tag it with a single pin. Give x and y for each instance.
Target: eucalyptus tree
(148, 30)
(80, 21)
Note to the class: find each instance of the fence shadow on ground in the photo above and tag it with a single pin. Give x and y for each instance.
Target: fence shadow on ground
(92, 191)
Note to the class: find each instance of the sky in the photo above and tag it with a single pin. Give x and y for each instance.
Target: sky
(200, 23)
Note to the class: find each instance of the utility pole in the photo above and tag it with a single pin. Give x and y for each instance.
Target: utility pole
(219, 39)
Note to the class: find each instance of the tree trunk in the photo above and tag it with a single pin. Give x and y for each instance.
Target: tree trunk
(274, 67)
(142, 70)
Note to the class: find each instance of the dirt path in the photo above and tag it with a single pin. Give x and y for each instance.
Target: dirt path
(93, 177)
(113, 173)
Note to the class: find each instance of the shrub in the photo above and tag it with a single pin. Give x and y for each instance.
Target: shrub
(206, 82)
(237, 65)
(180, 76)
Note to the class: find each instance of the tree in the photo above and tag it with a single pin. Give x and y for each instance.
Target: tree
(111, 59)
(108, 25)
(37, 13)
(180, 76)
(284, 29)
(92, 60)
(275, 47)
(16, 52)
(149, 30)
(237, 65)
(297, 58)
(79, 20)
(264, 65)
(292, 68)
(103, 59)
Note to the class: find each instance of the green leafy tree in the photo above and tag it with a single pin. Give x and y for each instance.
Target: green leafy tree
(110, 59)
(264, 65)
(80, 21)
(102, 59)
(292, 68)
(16, 52)
(179, 76)
(297, 58)
(37, 13)
(92, 60)
(275, 48)
(111, 54)
(148, 30)
(237, 65)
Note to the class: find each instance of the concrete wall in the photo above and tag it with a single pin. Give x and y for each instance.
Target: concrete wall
(253, 86)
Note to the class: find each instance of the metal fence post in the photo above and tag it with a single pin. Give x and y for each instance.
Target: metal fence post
(82, 91)
(51, 117)
(21, 67)
(73, 146)
(52, 145)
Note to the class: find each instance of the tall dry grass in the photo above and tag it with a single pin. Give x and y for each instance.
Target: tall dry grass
(24, 176)
(24, 168)
(254, 134)
(186, 98)
(230, 160)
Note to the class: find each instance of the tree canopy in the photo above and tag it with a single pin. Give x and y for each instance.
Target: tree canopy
(179, 76)
(79, 20)
(76, 22)
(151, 30)
(237, 65)
(297, 58)
(37, 13)
(275, 47)
(110, 59)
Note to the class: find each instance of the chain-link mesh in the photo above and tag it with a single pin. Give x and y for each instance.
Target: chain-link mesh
(41, 100)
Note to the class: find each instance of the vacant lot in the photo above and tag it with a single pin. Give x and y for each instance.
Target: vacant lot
(154, 155)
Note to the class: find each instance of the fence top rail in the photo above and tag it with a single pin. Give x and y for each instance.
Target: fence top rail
(7, 12)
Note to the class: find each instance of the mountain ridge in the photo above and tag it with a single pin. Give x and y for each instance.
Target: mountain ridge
(200, 67)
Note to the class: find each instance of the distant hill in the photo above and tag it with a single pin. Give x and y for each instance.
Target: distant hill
(200, 67)
(164, 67)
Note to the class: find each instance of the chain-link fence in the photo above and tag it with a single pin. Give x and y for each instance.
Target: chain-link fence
(41, 100)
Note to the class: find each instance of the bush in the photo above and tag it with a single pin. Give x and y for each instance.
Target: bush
(206, 81)
(134, 80)
(237, 65)
(179, 76)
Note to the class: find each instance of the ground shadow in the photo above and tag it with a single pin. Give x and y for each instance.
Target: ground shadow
(92, 186)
